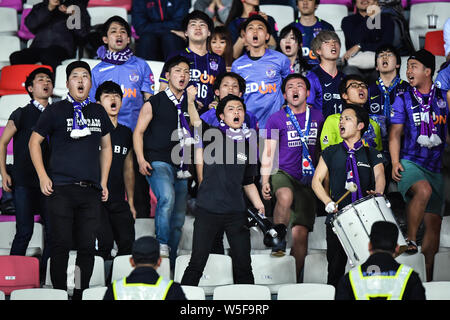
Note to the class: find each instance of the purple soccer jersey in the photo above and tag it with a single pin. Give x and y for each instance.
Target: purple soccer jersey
(406, 111)
(290, 145)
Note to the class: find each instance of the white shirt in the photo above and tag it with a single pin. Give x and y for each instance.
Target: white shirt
(447, 37)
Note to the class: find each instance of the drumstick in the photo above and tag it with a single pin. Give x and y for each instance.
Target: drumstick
(352, 187)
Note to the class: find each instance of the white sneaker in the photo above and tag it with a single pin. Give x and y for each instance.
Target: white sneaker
(164, 250)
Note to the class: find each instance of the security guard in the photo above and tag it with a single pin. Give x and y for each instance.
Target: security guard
(381, 277)
(144, 283)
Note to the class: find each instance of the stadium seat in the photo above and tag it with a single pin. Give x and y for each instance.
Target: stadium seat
(18, 272)
(317, 238)
(100, 14)
(306, 291)
(9, 103)
(193, 293)
(185, 245)
(347, 3)
(91, 62)
(94, 293)
(415, 261)
(282, 14)
(218, 271)
(242, 292)
(423, 1)
(2, 295)
(6, 50)
(31, 3)
(97, 278)
(434, 42)
(126, 4)
(121, 268)
(418, 21)
(333, 14)
(8, 231)
(24, 33)
(315, 269)
(156, 67)
(441, 267)
(273, 272)
(437, 290)
(8, 21)
(14, 4)
(60, 89)
(39, 294)
(144, 227)
(444, 240)
(12, 79)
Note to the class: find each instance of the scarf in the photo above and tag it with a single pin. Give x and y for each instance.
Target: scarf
(307, 163)
(428, 132)
(117, 58)
(386, 93)
(39, 106)
(79, 125)
(235, 134)
(184, 135)
(352, 170)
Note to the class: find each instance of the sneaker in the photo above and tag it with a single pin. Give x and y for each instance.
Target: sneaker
(279, 250)
(164, 250)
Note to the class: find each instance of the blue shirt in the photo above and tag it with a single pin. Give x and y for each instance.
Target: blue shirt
(134, 77)
(263, 77)
(443, 79)
(324, 93)
(309, 33)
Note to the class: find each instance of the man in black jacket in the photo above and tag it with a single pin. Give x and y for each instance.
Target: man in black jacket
(144, 282)
(57, 26)
(381, 277)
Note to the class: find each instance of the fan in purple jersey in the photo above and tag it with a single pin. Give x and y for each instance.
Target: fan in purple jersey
(295, 130)
(325, 77)
(290, 44)
(420, 114)
(263, 70)
(205, 66)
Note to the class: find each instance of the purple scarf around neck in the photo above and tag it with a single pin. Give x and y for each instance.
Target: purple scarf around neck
(428, 132)
(116, 58)
(352, 170)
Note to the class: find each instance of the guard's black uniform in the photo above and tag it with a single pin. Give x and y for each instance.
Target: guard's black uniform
(414, 289)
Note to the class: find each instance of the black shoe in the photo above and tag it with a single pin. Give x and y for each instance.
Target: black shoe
(412, 247)
(279, 250)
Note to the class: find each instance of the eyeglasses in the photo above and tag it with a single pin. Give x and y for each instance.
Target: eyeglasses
(385, 55)
(357, 85)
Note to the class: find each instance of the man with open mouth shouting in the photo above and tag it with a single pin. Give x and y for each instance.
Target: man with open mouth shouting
(80, 159)
(421, 115)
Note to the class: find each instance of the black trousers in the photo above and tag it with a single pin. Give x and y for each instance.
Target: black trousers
(73, 211)
(115, 223)
(336, 256)
(52, 56)
(206, 226)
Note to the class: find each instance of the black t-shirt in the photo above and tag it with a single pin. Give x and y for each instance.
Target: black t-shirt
(122, 142)
(73, 160)
(23, 173)
(387, 265)
(335, 157)
(228, 166)
(161, 136)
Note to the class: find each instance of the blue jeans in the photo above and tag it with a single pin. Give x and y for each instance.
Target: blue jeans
(29, 201)
(171, 195)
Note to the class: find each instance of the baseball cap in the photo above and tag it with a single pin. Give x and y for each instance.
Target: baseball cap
(426, 58)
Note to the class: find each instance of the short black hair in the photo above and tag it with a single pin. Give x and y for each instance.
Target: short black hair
(389, 48)
(108, 87)
(361, 115)
(316, 1)
(295, 76)
(145, 250)
(30, 78)
(197, 15)
(230, 74)
(384, 236)
(174, 61)
(254, 17)
(347, 78)
(222, 103)
(118, 20)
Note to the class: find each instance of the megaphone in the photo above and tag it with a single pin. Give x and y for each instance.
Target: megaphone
(273, 234)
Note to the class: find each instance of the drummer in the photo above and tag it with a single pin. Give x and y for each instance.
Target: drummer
(347, 164)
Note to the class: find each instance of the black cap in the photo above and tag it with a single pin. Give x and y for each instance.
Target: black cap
(426, 58)
(384, 235)
(145, 250)
(77, 64)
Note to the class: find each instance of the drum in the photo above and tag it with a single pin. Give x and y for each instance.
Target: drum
(353, 223)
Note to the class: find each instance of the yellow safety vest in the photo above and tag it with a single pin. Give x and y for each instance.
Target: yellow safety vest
(141, 291)
(378, 286)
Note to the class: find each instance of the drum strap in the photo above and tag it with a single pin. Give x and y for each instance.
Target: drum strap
(372, 174)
